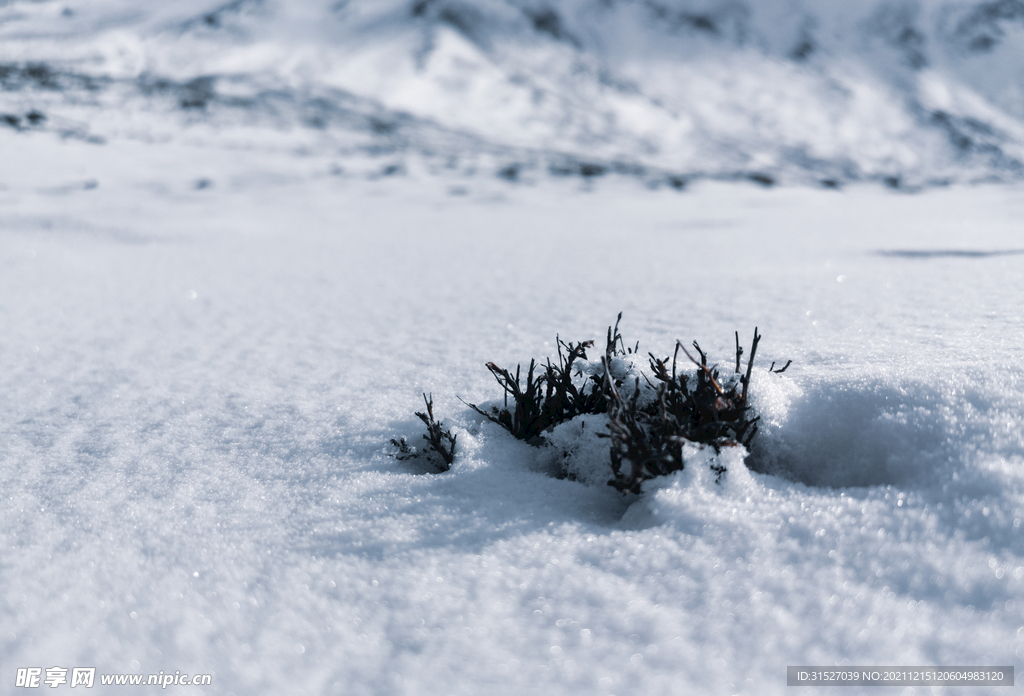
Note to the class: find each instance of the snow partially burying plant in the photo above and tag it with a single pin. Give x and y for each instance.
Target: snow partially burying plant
(647, 416)
(578, 449)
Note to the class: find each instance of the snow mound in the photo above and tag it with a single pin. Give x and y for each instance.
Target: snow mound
(697, 497)
(884, 429)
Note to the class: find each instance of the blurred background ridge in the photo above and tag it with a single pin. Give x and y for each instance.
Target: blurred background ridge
(905, 93)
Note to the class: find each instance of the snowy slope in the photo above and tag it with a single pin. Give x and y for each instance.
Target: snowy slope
(910, 93)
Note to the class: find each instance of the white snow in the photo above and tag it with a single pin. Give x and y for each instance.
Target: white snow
(916, 93)
(214, 317)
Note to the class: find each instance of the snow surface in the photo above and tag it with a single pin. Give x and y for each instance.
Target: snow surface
(216, 313)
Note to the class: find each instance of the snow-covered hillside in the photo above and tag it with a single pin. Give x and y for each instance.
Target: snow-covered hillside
(908, 93)
(238, 242)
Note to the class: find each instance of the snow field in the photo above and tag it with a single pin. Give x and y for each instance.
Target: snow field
(246, 238)
(199, 385)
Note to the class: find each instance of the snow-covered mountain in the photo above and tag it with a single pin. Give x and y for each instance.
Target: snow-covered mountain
(898, 91)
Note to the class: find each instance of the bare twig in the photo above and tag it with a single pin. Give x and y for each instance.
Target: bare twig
(404, 450)
(750, 365)
(441, 441)
(704, 367)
